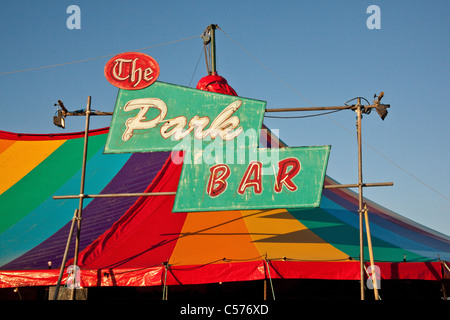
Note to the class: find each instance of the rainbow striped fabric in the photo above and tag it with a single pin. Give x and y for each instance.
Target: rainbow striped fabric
(135, 233)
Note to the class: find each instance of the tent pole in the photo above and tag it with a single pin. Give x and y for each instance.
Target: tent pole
(265, 289)
(212, 29)
(270, 278)
(369, 244)
(165, 289)
(443, 290)
(66, 251)
(83, 176)
(360, 186)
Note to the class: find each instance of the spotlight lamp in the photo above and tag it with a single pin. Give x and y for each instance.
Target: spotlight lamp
(60, 119)
(381, 108)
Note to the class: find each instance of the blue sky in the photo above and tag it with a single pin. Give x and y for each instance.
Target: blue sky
(297, 54)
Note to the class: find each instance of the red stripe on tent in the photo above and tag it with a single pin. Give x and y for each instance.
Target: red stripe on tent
(410, 270)
(49, 136)
(226, 272)
(148, 231)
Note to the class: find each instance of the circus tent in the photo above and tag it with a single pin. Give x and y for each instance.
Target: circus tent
(141, 242)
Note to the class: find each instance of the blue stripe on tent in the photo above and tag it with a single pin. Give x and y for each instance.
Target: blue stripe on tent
(42, 222)
(382, 233)
(99, 215)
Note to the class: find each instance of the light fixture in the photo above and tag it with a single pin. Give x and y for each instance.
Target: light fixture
(381, 108)
(59, 120)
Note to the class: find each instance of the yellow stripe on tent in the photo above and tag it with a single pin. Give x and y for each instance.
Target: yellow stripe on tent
(278, 234)
(21, 157)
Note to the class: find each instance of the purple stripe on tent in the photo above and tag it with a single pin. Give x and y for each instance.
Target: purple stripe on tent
(99, 215)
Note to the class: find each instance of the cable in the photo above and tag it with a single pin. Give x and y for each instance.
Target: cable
(335, 121)
(270, 278)
(195, 70)
(299, 117)
(408, 173)
(265, 67)
(446, 266)
(90, 59)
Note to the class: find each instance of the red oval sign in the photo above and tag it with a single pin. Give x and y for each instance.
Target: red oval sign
(131, 70)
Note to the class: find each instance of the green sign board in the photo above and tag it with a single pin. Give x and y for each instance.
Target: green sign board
(267, 178)
(165, 117)
(223, 168)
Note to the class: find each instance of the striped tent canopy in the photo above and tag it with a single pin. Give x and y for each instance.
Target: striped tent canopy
(141, 242)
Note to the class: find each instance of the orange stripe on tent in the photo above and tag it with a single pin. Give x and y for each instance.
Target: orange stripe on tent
(208, 237)
(5, 144)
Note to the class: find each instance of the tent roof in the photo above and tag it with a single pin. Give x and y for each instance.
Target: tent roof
(133, 235)
(134, 242)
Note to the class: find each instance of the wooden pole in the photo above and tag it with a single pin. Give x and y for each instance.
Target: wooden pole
(265, 289)
(331, 108)
(116, 195)
(83, 177)
(345, 186)
(212, 28)
(66, 251)
(360, 186)
(369, 244)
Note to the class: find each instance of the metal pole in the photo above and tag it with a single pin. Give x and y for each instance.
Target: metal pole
(369, 244)
(345, 186)
(66, 251)
(265, 289)
(213, 48)
(83, 176)
(310, 109)
(116, 195)
(360, 186)
(352, 107)
(93, 113)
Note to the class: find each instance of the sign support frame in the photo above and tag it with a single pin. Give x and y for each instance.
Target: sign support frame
(363, 212)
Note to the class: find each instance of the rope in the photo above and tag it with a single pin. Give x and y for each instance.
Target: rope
(446, 266)
(371, 277)
(195, 70)
(265, 67)
(335, 121)
(299, 117)
(367, 272)
(166, 266)
(270, 279)
(408, 173)
(101, 57)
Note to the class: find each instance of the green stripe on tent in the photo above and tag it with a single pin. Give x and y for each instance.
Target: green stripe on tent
(346, 238)
(55, 170)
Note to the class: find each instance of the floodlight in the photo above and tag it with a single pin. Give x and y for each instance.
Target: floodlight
(382, 112)
(381, 108)
(59, 120)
